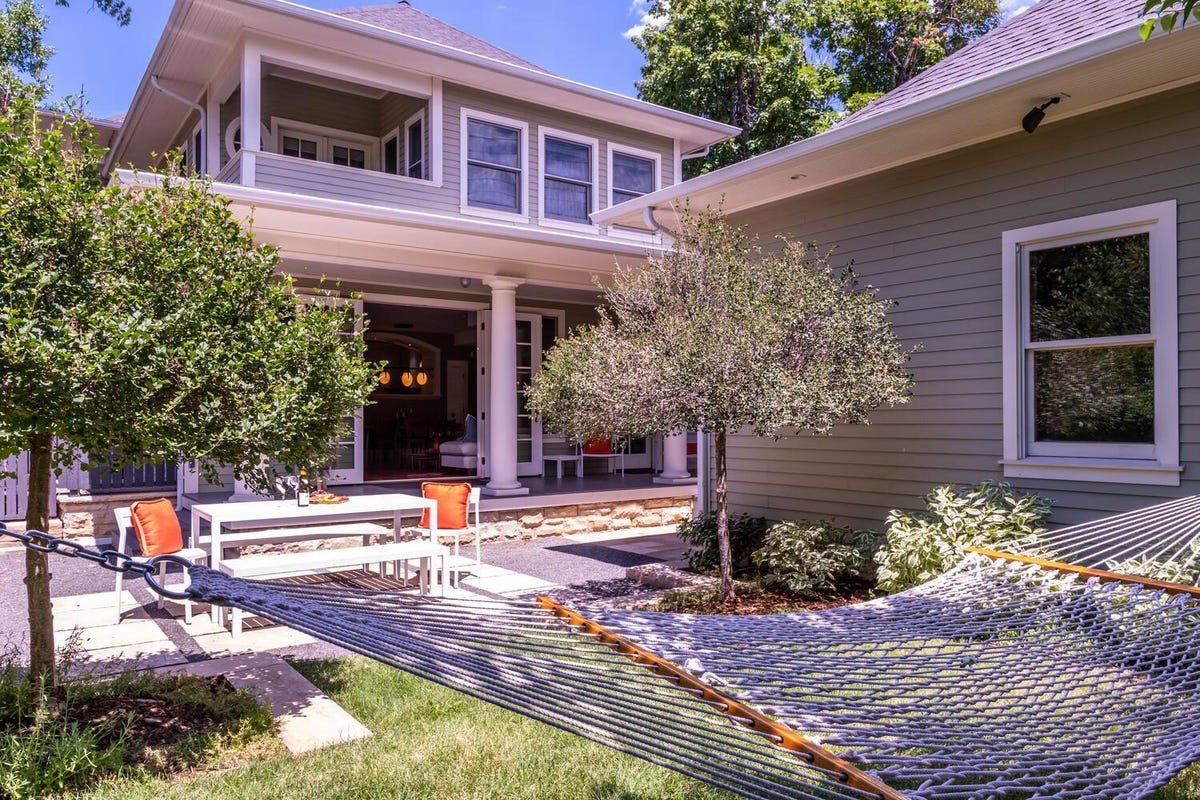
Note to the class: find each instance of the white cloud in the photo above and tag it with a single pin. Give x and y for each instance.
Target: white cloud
(1011, 8)
(641, 10)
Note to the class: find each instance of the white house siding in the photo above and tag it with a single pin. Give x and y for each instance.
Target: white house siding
(929, 236)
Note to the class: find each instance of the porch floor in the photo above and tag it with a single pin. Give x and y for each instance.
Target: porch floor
(543, 491)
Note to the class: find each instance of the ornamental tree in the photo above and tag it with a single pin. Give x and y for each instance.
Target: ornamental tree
(146, 325)
(723, 335)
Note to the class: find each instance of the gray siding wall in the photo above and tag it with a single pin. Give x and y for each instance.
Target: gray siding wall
(568, 120)
(928, 235)
(357, 186)
(316, 105)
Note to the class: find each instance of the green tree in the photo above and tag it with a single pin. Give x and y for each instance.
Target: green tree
(1167, 14)
(723, 335)
(876, 45)
(742, 62)
(147, 322)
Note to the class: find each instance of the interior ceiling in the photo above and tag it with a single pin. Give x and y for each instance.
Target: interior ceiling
(415, 320)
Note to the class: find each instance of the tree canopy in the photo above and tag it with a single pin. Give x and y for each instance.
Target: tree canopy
(146, 324)
(785, 70)
(722, 334)
(1166, 15)
(737, 61)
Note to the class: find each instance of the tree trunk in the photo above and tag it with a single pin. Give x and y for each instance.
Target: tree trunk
(37, 568)
(723, 545)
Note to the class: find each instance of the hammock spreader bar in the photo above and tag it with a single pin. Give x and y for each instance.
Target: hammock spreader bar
(783, 736)
(1103, 576)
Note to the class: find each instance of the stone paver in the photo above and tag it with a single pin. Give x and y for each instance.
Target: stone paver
(307, 719)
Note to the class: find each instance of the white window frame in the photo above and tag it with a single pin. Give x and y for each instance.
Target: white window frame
(192, 157)
(1156, 464)
(636, 152)
(466, 114)
(394, 133)
(231, 130)
(416, 118)
(326, 139)
(593, 146)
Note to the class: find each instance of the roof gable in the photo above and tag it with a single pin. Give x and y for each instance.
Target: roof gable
(1045, 28)
(403, 18)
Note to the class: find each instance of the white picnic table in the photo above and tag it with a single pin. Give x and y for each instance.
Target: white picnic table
(287, 514)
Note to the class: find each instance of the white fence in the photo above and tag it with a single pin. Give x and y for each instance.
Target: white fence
(13, 490)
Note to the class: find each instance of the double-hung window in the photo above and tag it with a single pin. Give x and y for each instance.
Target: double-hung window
(632, 175)
(1091, 364)
(414, 146)
(317, 143)
(494, 164)
(568, 177)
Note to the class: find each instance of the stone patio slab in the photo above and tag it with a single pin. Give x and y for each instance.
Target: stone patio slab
(307, 718)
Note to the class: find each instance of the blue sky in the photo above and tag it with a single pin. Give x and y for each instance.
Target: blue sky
(585, 40)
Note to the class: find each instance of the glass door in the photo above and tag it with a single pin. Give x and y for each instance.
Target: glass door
(529, 362)
(347, 464)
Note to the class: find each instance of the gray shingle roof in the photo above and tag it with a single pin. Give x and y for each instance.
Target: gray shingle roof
(1047, 27)
(403, 18)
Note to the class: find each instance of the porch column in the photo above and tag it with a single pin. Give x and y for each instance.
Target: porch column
(251, 116)
(675, 469)
(502, 405)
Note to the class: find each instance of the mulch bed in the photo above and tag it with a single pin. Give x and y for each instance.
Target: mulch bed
(154, 722)
(754, 600)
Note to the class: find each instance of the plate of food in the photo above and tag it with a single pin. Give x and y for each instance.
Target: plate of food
(323, 498)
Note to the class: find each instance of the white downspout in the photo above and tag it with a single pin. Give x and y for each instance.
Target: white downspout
(154, 82)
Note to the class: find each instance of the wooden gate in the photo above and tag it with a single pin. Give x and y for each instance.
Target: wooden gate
(13, 488)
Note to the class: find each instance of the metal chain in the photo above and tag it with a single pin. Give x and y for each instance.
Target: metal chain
(107, 557)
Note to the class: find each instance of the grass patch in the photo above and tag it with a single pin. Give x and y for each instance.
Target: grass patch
(429, 742)
(52, 743)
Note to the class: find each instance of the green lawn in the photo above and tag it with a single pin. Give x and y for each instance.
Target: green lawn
(429, 742)
(433, 743)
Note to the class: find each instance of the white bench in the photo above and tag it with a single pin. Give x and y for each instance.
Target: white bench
(279, 565)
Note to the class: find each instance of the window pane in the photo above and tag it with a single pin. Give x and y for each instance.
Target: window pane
(416, 147)
(1091, 289)
(1101, 394)
(349, 156)
(493, 188)
(633, 174)
(621, 197)
(567, 200)
(494, 144)
(568, 160)
(391, 155)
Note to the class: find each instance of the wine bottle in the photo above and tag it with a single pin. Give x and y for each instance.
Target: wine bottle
(302, 490)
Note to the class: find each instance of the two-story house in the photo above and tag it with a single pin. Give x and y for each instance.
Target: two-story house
(443, 184)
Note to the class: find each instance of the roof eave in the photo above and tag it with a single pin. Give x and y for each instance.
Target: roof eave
(1103, 44)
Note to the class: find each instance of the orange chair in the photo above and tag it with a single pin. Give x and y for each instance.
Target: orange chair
(458, 504)
(156, 527)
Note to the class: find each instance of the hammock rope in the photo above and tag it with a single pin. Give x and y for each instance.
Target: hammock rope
(1008, 677)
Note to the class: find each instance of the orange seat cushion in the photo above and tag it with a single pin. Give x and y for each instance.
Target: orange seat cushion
(598, 447)
(452, 501)
(156, 527)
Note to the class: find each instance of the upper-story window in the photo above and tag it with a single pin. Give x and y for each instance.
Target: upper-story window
(317, 143)
(633, 173)
(1091, 365)
(568, 177)
(414, 146)
(495, 161)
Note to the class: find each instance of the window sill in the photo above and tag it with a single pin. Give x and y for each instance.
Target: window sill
(487, 213)
(567, 225)
(1093, 470)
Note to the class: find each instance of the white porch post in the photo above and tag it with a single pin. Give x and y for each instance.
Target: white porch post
(251, 110)
(502, 405)
(675, 461)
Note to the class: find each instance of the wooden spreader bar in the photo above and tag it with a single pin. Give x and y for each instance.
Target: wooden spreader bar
(1088, 572)
(757, 721)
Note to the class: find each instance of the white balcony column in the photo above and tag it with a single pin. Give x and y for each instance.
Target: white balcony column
(675, 469)
(251, 116)
(502, 405)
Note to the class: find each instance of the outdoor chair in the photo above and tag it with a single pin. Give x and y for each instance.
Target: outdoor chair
(458, 516)
(158, 532)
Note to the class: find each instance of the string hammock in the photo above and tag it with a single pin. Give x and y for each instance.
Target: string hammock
(1009, 677)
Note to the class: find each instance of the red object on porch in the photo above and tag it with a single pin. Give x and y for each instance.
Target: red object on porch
(691, 448)
(452, 500)
(156, 527)
(598, 447)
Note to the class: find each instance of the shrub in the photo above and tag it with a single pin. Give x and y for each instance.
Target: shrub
(745, 536)
(808, 558)
(923, 545)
